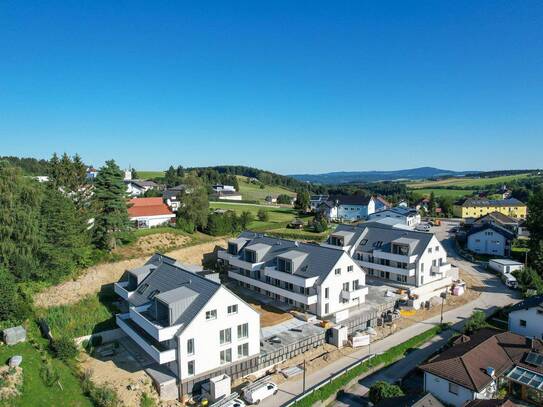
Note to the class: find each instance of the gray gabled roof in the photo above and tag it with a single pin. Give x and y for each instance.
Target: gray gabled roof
(175, 284)
(318, 260)
(371, 236)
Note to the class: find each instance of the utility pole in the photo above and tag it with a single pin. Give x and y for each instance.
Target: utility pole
(304, 379)
(443, 295)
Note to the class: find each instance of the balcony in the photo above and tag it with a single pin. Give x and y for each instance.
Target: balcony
(236, 262)
(409, 272)
(156, 331)
(379, 254)
(301, 298)
(349, 295)
(289, 278)
(441, 269)
(121, 291)
(158, 353)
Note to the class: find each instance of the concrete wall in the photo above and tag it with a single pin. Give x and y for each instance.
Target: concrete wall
(534, 322)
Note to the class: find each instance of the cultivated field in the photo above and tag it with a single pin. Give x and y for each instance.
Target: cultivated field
(150, 174)
(467, 182)
(440, 192)
(252, 192)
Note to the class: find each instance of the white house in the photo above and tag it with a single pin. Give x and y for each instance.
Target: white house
(472, 368)
(172, 196)
(526, 317)
(405, 216)
(316, 200)
(405, 258)
(138, 187)
(320, 280)
(223, 188)
(490, 239)
(188, 323)
(351, 207)
(149, 212)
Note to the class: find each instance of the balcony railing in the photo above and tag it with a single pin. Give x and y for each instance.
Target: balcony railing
(121, 291)
(235, 261)
(441, 269)
(400, 258)
(350, 294)
(157, 331)
(301, 298)
(289, 278)
(409, 272)
(160, 356)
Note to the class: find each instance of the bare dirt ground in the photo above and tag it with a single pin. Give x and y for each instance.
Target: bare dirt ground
(92, 279)
(150, 244)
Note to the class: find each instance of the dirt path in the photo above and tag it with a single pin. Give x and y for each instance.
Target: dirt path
(92, 280)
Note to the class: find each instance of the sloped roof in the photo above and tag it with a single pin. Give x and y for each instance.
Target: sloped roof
(350, 199)
(530, 302)
(491, 403)
(498, 217)
(496, 228)
(318, 262)
(148, 207)
(410, 400)
(492, 202)
(466, 362)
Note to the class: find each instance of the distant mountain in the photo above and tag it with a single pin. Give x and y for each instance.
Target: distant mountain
(346, 177)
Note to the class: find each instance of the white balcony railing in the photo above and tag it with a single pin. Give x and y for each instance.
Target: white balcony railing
(441, 269)
(409, 272)
(379, 254)
(359, 292)
(158, 332)
(121, 291)
(160, 357)
(301, 298)
(289, 278)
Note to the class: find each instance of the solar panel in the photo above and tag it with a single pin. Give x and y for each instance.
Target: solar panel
(535, 359)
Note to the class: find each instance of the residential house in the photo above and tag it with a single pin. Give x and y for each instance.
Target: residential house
(475, 366)
(475, 208)
(228, 196)
(316, 200)
(497, 218)
(137, 187)
(423, 205)
(491, 403)
(317, 279)
(190, 325)
(223, 188)
(405, 216)
(271, 199)
(411, 400)
(526, 317)
(172, 196)
(490, 239)
(400, 257)
(149, 212)
(351, 207)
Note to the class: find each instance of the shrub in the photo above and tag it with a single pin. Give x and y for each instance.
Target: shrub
(101, 396)
(147, 401)
(262, 215)
(64, 348)
(383, 390)
(475, 322)
(48, 373)
(185, 225)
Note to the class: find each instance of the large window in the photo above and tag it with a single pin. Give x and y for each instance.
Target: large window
(226, 356)
(243, 331)
(250, 256)
(225, 336)
(243, 350)
(232, 309)
(190, 346)
(232, 248)
(284, 265)
(212, 314)
(190, 368)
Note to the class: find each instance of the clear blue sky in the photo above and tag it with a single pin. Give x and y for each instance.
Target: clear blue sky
(289, 86)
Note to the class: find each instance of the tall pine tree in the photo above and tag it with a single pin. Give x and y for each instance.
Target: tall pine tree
(110, 204)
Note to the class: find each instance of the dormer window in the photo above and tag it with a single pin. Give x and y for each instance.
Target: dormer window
(400, 249)
(153, 294)
(336, 241)
(232, 248)
(284, 265)
(142, 288)
(250, 256)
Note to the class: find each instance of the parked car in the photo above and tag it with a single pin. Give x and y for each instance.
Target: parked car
(255, 393)
(423, 227)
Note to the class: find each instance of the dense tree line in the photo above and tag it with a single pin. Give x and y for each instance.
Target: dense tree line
(29, 166)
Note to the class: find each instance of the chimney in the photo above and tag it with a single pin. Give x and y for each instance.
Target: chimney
(490, 371)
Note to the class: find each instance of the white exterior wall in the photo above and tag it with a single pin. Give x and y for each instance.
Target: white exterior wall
(487, 244)
(334, 283)
(504, 268)
(424, 273)
(153, 220)
(206, 333)
(133, 190)
(534, 322)
(439, 387)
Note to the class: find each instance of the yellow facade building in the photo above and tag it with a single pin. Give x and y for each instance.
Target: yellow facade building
(475, 208)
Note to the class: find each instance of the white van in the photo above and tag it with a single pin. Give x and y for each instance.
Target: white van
(256, 392)
(509, 280)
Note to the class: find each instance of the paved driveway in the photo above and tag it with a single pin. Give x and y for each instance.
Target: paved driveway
(493, 295)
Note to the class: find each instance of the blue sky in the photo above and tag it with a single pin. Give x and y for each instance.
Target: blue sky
(289, 86)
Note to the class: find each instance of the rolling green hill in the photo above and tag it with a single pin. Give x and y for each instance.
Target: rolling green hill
(468, 182)
(252, 191)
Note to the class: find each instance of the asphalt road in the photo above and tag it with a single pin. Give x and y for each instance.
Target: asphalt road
(493, 295)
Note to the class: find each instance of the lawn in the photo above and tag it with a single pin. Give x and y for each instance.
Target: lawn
(252, 192)
(150, 174)
(467, 182)
(35, 392)
(296, 234)
(277, 217)
(438, 192)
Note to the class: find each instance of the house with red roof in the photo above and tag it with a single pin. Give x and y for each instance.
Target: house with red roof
(149, 212)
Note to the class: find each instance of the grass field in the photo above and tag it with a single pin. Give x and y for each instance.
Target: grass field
(150, 174)
(253, 192)
(466, 182)
(453, 193)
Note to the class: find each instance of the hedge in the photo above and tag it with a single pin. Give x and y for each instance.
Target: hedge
(387, 358)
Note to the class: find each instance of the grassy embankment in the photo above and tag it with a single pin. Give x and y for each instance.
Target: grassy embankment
(253, 192)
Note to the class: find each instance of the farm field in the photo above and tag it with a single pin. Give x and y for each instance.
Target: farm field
(150, 174)
(253, 192)
(438, 192)
(467, 182)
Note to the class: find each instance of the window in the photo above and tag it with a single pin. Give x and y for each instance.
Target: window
(190, 367)
(142, 288)
(453, 388)
(437, 248)
(401, 279)
(232, 248)
(346, 286)
(243, 331)
(523, 322)
(225, 336)
(190, 346)
(363, 242)
(211, 314)
(326, 293)
(284, 265)
(337, 271)
(226, 356)
(355, 285)
(429, 250)
(243, 350)
(250, 256)
(153, 294)
(326, 309)
(232, 309)
(349, 269)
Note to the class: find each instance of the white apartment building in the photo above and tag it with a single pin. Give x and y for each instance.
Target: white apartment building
(405, 216)
(400, 257)
(320, 280)
(187, 322)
